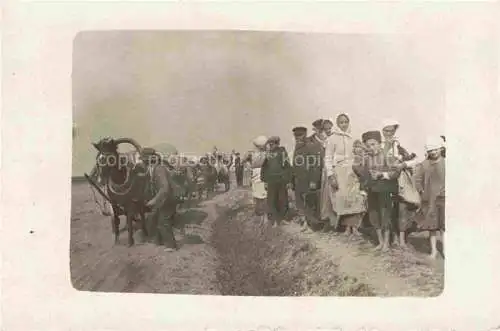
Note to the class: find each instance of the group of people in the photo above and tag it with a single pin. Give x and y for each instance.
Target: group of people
(339, 180)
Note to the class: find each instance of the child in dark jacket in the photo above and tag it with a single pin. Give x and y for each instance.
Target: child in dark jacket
(378, 176)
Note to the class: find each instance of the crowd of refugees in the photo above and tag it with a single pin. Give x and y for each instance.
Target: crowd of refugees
(339, 180)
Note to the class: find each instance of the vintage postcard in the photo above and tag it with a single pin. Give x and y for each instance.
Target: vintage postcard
(255, 163)
(251, 177)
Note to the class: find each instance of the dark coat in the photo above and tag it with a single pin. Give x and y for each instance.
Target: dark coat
(238, 164)
(307, 163)
(276, 167)
(317, 150)
(381, 163)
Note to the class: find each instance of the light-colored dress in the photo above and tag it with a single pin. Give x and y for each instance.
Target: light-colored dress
(347, 200)
(258, 186)
(259, 192)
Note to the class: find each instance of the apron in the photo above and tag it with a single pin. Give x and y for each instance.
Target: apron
(348, 199)
(258, 186)
(327, 197)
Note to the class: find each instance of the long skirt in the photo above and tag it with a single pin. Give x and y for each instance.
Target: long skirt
(348, 199)
(327, 197)
(432, 215)
(347, 202)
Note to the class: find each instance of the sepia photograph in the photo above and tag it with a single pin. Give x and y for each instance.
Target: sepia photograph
(257, 163)
(246, 166)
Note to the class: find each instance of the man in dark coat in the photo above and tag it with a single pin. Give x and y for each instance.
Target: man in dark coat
(238, 169)
(276, 174)
(315, 160)
(163, 202)
(300, 178)
(307, 166)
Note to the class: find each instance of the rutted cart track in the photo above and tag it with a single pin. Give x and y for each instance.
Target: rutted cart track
(225, 251)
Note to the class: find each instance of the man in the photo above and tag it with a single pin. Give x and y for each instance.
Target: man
(322, 202)
(299, 171)
(163, 203)
(276, 173)
(238, 169)
(306, 174)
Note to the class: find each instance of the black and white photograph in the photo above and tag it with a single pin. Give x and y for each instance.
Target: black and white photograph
(243, 166)
(251, 163)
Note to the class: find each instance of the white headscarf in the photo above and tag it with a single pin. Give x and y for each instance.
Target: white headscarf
(260, 141)
(337, 130)
(390, 122)
(433, 143)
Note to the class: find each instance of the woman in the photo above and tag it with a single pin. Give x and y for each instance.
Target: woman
(247, 170)
(346, 199)
(259, 192)
(404, 212)
(328, 127)
(430, 182)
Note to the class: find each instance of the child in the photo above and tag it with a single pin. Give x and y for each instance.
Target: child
(430, 183)
(378, 175)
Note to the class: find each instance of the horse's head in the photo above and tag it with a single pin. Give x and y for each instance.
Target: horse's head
(108, 158)
(107, 155)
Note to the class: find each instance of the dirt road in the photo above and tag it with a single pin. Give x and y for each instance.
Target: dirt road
(225, 251)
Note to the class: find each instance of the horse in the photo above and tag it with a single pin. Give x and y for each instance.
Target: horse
(126, 183)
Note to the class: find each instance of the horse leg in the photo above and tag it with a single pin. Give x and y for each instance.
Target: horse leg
(143, 224)
(130, 227)
(115, 224)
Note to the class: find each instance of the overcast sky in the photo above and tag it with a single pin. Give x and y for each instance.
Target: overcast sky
(200, 89)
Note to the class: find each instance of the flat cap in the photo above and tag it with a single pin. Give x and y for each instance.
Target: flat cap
(372, 135)
(299, 130)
